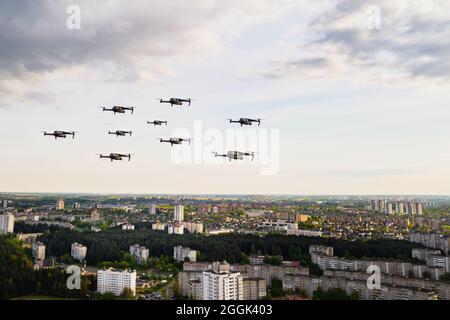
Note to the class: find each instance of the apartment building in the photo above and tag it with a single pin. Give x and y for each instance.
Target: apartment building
(115, 281)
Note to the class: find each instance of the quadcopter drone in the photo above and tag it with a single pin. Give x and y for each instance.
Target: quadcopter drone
(175, 101)
(173, 141)
(245, 121)
(116, 156)
(120, 133)
(60, 134)
(157, 122)
(119, 109)
(235, 155)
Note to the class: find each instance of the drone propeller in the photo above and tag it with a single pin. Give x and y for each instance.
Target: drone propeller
(216, 154)
(252, 154)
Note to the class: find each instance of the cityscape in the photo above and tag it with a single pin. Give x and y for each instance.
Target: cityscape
(226, 247)
(224, 158)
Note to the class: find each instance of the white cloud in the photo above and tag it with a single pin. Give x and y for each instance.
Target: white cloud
(127, 41)
(411, 45)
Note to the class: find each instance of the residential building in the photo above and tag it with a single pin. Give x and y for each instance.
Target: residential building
(181, 253)
(152, 209)
(178, 213)
(115, 281)
(78, 251)
(6, 223)
(421, 254)
(193, 227)
(38, 251)
(95, 215)
(222, 284)
(195, 289)
(140, 253)
(254, 288)
(327, 251)
(431, 240)
(176, 228)
(127, 226)
(158, 226)
(59, 204)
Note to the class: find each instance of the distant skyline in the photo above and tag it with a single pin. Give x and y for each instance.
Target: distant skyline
(360, 108)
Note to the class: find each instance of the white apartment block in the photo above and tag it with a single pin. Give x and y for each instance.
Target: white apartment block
(438, 261)
(305, 233)
(222, 284)
(178, 214)
(431, 240)
(38, 250)
(352, 284)
(6, 223)
(404, 269)
(193, 227)
(421, 254)
(127, 226)
(152, 209)
(141, 254)
(78, 251)
(176, 228)
(115, 281)
(181, 253)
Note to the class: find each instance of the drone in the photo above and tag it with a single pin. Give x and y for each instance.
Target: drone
(245, 121)
(176, 101)
(60, 134)
(116, 156)
(157, 122)
(119, 109)
(236, 155)
(120, 133)
(173, 141)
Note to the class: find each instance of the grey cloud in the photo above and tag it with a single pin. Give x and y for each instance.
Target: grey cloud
(415, 40)
(134, 37)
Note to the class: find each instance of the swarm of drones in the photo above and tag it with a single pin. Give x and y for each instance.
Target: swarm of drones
(231, 155)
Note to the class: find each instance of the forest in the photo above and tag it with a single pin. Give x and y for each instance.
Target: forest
(108, 245)
(18, 278)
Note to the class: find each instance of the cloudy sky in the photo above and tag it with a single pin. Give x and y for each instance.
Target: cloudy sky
(354, 95)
